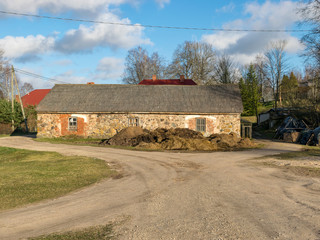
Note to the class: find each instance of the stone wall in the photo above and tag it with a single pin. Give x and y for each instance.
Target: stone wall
(107, 125)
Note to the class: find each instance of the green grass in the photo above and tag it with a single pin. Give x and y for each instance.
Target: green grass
(71, 140)
(92, 233)
(90, 142)
(252, 119)
(30, 176)
(266, 107)
(4, 135)
(306, 153)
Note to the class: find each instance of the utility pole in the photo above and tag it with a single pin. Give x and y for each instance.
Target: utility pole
(12, 100)
(21, 104)
(7, 83)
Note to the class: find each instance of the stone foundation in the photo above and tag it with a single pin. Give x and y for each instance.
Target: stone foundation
(106, 125)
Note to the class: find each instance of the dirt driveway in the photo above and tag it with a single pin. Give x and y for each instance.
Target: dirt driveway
(178, 196)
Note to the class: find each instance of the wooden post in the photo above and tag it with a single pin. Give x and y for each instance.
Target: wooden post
(12, 101)
(21, 104)
(7, 83)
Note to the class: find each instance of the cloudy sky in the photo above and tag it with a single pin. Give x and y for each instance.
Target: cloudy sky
(80, 52)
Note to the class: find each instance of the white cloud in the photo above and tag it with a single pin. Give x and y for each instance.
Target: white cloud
(109, 68)
(37, 83)
(83, 39)
(161, 3)
(26, 47)
(227, 8)
(102, 35)
(83, 7)
(269, 15)
(293, 45)
(222, 40)
(63, 62)
(40, 83)
(70, 77)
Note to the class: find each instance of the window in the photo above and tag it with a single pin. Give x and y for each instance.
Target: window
(201, 125)
(72, 124)
(133, 121)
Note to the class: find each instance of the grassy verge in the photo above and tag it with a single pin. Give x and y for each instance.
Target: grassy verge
(305, 159)
(4, 135)
(90, 142)
(266, 106)
(92, 233)
(307, 153)
(252, 119)
(30, 176)
(71, 140)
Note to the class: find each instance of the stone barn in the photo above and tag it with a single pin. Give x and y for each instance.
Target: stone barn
(102, 110)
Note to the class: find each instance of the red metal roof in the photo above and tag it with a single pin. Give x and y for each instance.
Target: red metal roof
(167, 82)
(34, 97)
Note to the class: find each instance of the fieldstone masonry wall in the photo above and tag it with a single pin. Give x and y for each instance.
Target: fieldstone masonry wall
(106, 125)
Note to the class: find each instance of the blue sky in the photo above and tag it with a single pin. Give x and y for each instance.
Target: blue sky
(76, 52)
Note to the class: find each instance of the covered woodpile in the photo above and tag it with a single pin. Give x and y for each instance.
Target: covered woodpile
(297, 131)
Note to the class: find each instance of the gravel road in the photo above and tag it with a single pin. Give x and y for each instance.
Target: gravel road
(165, 195)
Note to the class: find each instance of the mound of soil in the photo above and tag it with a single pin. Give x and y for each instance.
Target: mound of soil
(177, 139)
(123, 138)
(225, 141)
(161, 135)
(180, 143)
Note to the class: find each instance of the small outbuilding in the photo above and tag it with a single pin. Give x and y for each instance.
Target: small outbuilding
(102, 110)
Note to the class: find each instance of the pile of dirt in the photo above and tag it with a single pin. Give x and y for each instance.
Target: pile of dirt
(177, 139)
(123, 138)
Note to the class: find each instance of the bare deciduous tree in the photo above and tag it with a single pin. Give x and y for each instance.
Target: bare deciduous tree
(312, 78)
(275, 66)
(4, 76)
(26, 88)
(156, 66)
(225, 70)
(310, 13)
(194, 60)
(139, 66)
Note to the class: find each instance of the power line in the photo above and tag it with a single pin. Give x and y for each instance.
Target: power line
(154, 26)
(38, 76)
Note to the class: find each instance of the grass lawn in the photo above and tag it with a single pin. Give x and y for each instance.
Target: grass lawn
(87, 142)
(252, 119)
(30, 176)
(4, 135)
(265, 107)
(71, 140)
(92, 233)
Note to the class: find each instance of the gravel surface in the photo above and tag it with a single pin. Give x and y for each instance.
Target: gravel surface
(165, 195)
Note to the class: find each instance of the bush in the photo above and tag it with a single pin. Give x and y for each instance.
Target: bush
(6, 115)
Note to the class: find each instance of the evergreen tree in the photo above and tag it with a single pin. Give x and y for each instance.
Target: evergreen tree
(250, 92)
(6, 115)
(289, 89)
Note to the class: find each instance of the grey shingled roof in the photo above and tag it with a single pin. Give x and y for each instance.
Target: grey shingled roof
(121, 98)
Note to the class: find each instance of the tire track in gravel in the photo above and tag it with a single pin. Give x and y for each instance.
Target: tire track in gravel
(165, 195)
